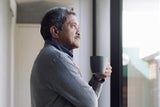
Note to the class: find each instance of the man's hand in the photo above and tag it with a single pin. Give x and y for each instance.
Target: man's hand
(107, 73)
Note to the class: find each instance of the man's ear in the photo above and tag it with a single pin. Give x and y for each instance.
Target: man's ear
(54, 32)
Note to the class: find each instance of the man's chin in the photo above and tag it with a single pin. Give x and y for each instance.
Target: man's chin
(76, 46)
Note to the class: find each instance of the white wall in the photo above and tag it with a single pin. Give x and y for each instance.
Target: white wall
(28, 43)
(103, 43)
(85, 50)
(103, 40)
(6, 20)
(13, 8)
(4, 50)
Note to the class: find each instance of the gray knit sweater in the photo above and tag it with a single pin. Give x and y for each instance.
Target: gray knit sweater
(57, 82)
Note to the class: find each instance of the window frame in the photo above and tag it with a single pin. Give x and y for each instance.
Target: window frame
(116, 52)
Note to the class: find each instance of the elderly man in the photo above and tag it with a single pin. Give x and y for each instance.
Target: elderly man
(55, 80)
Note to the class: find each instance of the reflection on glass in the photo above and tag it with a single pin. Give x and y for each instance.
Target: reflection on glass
(141, 53)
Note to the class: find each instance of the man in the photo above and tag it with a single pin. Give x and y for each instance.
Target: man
(55, 79)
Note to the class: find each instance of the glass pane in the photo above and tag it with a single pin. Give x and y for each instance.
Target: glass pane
(141, 53)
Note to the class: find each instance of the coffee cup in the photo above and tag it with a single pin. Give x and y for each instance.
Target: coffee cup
(98, 64)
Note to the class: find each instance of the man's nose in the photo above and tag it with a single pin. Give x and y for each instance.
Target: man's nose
(78, 32)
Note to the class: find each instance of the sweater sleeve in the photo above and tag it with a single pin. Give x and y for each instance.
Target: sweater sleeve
(96, 85)
(66, 80)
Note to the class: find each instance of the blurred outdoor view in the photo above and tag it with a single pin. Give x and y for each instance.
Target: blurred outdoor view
(141, 53)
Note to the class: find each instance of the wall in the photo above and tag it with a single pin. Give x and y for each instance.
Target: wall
(28, 43)
(13, 8)
(85, 50)
(102, 40)
(4, 50)
(6, 21)
(103, 43)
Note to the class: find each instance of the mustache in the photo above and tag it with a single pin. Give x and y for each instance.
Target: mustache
(77, 37)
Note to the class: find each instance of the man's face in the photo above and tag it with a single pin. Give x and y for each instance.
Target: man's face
(69, 36)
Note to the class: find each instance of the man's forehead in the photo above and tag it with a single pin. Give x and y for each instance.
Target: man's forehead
(72, 19)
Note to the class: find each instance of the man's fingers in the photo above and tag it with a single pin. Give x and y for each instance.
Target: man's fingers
(108, 72)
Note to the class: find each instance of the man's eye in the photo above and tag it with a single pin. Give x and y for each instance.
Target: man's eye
(74, 26)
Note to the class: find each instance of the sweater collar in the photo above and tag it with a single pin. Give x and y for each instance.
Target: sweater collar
(59, 47)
